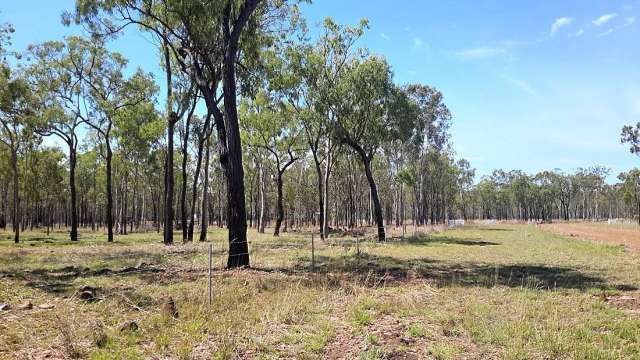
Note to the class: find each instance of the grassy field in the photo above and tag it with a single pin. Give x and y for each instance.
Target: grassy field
(504, 291)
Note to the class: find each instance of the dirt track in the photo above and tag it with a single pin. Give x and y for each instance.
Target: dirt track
(627, 235)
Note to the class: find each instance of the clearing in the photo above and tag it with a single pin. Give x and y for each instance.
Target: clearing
(476, 292)
(621, 234)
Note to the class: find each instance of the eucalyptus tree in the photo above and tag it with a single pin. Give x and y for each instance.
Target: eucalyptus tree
(108, 94)
(464, 183)
(90, 177)
(137, 131)
(631, 189)
(204, 209)
(17, 110)
(203, 131)
(631, 135)
(369, 111)
(186, 132)
(429, 138)
(589, 183)
(179, 95)
(58, 73)
(313, 71)
(6, 176)
(208, 40)
(565, 191)
(47, 180)
(274, 128)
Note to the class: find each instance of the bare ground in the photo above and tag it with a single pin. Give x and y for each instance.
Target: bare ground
(626, 235)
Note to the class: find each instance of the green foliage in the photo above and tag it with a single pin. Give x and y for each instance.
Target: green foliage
(630, 186)
(631, 136)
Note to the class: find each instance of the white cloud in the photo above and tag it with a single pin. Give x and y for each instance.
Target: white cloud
(417, 42)
(627, 22)
(560, 23)
(482, 52)
(604, 19)
(385, 36)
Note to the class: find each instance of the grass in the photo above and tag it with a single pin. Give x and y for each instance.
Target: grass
(506, 291)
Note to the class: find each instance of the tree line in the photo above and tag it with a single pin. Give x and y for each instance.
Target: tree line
(555, 195)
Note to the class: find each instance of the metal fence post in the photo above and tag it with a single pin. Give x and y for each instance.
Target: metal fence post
(313, 255)
(210, 259)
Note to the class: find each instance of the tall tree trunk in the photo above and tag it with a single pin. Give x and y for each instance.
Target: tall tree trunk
(204, 214)
(72, 190)
(124, 198)
(3, 219)
(229, 135)
(169, 181)
(321, 200)
(236, 213)
(377, 208)
(327, 176)
(261, 188)
(279, 205)
(183, 190)
(95, 202)
(109, 157)
(194, 192)
(16, 196)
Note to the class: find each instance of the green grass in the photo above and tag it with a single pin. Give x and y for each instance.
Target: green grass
(512, 292)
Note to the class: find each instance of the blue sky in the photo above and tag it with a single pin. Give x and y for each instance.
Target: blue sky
(532, 85)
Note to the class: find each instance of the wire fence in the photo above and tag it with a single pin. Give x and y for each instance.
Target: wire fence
(347, 242)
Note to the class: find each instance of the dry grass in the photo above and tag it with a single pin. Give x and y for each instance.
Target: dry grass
(621, 234)
(506, 292)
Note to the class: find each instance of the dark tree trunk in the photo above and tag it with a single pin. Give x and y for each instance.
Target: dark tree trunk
(3, 218)
(72, 191)
(237, 218)
(169, 181)
(194, 192)
(320, 195)
(124, 199)
(16, 197)
(279, 206)
(183, 195)
(183, 192)
(204, 216)
(95, 202)
(377, 209)
(261, 185)
(279, 202)
(109, 192)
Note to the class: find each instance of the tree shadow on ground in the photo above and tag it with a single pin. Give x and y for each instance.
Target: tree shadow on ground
(388, 270)
(495, 229)
(429, 240)
(411, 240)
(60, 280)
(56, 279)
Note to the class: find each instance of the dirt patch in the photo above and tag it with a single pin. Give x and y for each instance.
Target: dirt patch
(390, 338)
(627, 302)
(628, 236)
